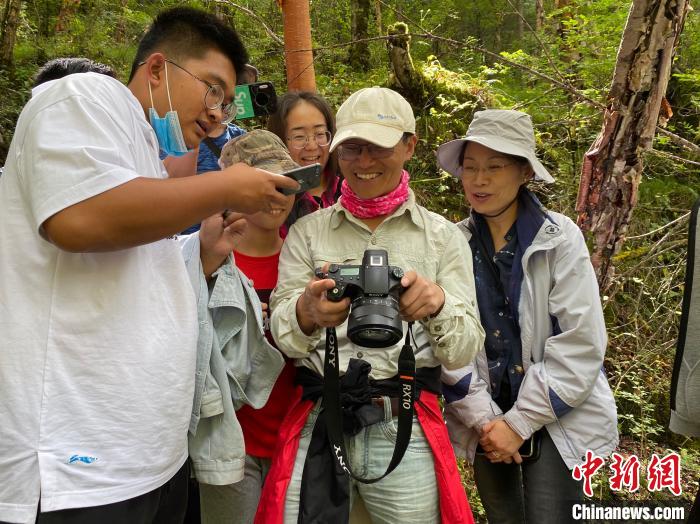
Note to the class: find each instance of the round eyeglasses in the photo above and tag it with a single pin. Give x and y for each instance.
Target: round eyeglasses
(299, 140)
(214, 97)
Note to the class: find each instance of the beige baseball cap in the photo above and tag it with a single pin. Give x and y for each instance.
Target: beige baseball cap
(503, 130)
(375, 114)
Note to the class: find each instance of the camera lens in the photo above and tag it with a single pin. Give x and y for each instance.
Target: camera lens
(375, 322)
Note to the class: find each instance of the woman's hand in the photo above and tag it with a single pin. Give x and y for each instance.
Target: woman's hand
(500, 442)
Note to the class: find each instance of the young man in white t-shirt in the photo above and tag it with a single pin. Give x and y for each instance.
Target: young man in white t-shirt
(98, 321)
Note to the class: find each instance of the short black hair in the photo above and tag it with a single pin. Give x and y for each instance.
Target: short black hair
(185, 32)
(60, 67)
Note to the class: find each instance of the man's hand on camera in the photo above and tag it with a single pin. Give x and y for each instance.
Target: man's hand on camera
(421, 298)
(314, 310)
(254, 189)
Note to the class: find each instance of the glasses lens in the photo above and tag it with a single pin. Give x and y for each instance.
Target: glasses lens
(323, 139)
(214, 97)
(349, 151)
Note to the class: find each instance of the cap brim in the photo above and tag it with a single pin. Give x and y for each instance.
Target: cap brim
(448, 155)
(277, 166)
(382, 136)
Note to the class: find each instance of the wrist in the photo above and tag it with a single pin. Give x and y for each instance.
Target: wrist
(306, 323)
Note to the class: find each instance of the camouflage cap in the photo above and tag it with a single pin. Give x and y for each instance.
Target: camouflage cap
(258, 148)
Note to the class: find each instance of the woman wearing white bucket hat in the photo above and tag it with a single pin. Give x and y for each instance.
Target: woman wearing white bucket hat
(535, 399)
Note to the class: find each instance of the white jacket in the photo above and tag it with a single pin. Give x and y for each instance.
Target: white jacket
(563, 343)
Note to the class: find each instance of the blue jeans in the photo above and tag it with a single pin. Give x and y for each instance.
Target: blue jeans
(541, 491)
(408, 494)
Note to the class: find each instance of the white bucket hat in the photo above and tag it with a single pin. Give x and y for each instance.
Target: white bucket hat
(502, 130)
(375, 114)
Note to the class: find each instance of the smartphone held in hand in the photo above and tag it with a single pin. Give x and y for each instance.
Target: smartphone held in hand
(308, 177)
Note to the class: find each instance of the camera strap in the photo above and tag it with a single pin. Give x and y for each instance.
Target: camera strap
(333, 410)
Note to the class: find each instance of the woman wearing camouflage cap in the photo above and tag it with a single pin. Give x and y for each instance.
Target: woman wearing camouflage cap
(535, 399)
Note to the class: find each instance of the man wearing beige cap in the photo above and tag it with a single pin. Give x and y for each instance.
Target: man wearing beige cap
(377, 211)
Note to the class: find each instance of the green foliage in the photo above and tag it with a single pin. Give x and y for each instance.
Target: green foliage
(577, 46)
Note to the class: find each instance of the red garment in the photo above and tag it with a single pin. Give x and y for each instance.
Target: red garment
(261, 426)
(454, 506)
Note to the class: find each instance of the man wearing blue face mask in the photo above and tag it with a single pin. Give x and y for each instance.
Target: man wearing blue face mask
(98, 321)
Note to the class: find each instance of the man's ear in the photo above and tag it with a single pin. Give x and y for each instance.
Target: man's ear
(155, 69)
(410, 147)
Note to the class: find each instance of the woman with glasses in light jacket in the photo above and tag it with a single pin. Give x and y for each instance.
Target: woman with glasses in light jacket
(536, 397)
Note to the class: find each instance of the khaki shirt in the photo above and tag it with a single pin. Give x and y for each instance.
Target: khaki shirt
(415, 239)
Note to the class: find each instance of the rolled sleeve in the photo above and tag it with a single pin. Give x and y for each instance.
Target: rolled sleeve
(455, 332)
(295, 271)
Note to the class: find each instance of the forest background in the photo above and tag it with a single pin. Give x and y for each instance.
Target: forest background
(472, 54)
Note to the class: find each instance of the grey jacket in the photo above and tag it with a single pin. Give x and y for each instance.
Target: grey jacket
(685, 383)
(563, 340)
(236, 365)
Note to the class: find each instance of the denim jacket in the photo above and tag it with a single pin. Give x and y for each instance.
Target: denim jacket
(236, 365)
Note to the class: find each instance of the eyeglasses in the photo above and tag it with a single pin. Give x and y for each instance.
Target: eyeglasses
(214, 97)
(492, 168)
(299, 141)
(353, 151)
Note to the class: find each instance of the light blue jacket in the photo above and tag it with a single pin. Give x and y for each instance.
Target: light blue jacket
(236, 365)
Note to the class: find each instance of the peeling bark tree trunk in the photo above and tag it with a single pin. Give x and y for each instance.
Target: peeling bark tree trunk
(612, 167)
(297, 45)
(358, 56)
(8, 31)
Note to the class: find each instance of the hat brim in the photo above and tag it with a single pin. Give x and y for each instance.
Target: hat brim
(277, 166)
(448, 155)
(383, 136)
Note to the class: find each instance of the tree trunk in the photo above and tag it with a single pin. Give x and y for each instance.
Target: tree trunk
(68, 10)
(298, 56)
(539, 14)
(521, 19)
(358, 56)
(612, 167)
(8, 32)
(404, 77)
(378, 16)
(120, 29)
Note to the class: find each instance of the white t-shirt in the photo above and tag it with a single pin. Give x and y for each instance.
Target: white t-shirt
(97, 350)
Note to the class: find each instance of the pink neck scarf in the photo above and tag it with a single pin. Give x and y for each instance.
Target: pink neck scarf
(378, 206)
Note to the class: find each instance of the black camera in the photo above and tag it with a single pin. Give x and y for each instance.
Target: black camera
(255, 100)
(374, 288)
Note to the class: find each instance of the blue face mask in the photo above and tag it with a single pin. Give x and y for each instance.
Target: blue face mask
(167, 128)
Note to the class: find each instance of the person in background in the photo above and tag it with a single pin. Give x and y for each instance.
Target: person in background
(537, 386)
(60, 67)
(306, 124)
(685, 382)
(97, 314)
(377, 209)
(256, 254)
